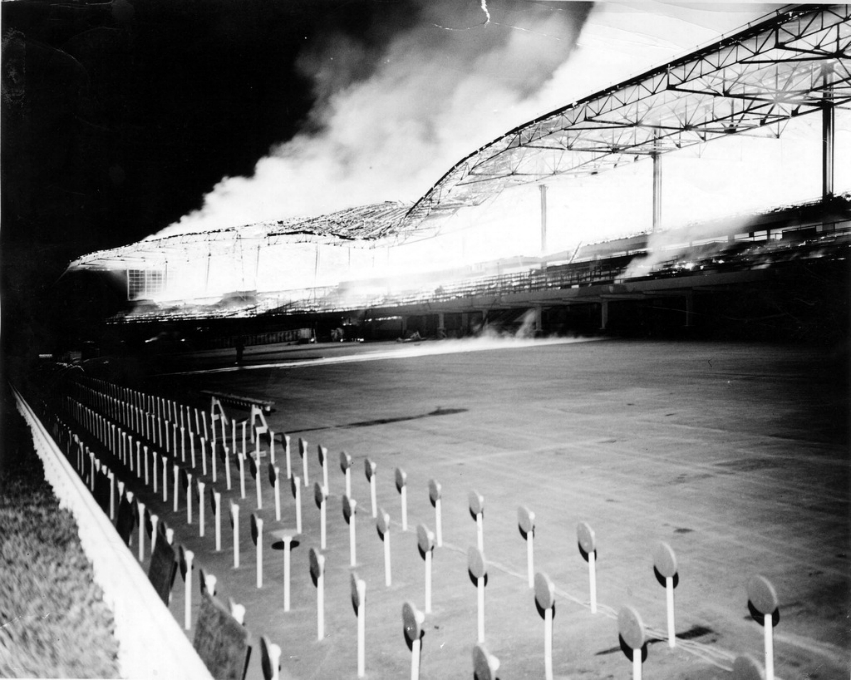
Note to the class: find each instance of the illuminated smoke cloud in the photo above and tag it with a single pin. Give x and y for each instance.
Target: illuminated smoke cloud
(388, 122)
(663, 246)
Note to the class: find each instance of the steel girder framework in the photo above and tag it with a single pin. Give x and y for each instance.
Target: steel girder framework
(795, 61)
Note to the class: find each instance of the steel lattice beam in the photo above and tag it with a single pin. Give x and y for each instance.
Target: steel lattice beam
(794, 62)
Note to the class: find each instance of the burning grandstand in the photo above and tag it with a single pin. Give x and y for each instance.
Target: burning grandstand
(556, 213)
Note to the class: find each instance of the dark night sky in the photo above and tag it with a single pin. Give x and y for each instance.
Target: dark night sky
(118, 117)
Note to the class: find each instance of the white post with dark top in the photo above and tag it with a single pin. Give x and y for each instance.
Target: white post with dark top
(588, 549)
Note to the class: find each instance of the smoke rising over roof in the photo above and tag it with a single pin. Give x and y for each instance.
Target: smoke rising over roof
(397, 105)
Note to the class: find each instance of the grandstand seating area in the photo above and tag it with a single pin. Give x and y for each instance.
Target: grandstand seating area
(734, 255)
(775, 238)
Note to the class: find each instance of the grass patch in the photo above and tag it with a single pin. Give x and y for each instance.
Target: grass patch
(53, 621)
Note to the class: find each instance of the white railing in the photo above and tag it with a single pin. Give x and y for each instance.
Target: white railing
(151, 642)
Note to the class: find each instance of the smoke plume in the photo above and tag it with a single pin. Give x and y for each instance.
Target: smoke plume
(392, 115)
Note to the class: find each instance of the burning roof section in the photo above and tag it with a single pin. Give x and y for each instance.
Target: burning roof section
(793, 62)
(364, 223)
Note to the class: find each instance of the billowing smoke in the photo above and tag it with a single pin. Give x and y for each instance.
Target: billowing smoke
(672, 244)
(391, 116)
(662, 246)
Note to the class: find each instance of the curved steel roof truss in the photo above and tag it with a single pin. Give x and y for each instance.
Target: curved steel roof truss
(794, 62)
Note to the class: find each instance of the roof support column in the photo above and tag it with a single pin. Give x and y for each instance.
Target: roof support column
(543, 188)
(657, 190)
(827, 124)
(207, 274)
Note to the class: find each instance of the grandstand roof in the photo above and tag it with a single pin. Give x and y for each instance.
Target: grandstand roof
(363, 223)
(753, 81)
